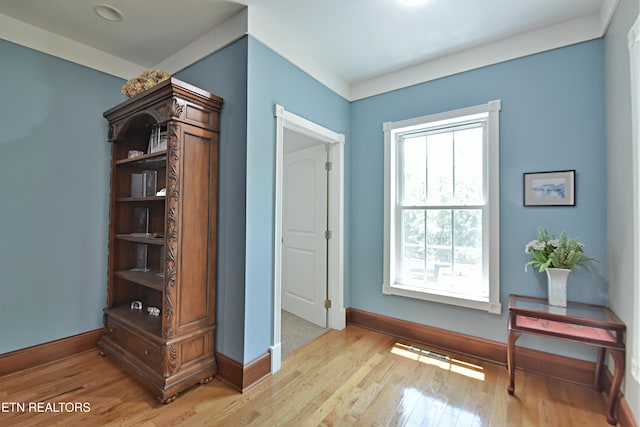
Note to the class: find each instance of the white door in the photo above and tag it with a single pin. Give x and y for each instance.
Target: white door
(304, 219)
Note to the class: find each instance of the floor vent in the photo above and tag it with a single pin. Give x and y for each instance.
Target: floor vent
(430, 353)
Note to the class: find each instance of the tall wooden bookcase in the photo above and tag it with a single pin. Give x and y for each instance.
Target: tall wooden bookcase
(162, 245)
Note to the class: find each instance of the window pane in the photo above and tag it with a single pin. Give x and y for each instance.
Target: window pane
(414, 162)
(450, 260)
(468, 252)
(468, 165)
(422, 260)
(439, 245)
(413, 245)
(440, 168)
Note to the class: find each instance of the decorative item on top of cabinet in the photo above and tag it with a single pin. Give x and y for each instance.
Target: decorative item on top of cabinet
(162, 244)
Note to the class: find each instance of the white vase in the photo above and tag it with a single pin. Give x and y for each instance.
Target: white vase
(557, 283)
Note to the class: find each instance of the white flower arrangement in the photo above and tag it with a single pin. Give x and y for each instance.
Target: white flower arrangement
(551, 252)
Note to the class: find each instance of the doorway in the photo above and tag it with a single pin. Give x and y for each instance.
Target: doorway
(314, 156)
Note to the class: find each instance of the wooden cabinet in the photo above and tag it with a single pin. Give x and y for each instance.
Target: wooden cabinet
(162, 244)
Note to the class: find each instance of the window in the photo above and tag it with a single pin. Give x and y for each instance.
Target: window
(442, 207)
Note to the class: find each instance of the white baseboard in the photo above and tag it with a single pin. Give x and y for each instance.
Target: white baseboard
(276, 357)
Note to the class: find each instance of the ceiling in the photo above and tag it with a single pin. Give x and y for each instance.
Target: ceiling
(353, 46)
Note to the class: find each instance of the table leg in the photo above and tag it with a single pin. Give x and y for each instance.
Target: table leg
(511, 363)
(597, 381)
(614, 392)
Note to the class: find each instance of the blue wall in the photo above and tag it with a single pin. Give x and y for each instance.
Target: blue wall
(224, 73)
(552, 118)
(273, 80)
(54, 170)
(53, 252)
(252, 79)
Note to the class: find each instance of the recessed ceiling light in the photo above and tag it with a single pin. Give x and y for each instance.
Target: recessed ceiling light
(108, 12)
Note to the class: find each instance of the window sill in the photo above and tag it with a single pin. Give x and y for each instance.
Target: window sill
(406, 291)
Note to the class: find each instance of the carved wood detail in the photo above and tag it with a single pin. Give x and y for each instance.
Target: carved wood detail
(166, 110)
(172, 358)
(177, 108)
(172, 197)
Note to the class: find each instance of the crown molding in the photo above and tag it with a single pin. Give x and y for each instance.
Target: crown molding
(568, 33)
(556, 36)
(53, 44)
(221, 36)
(261, 27)
(607, 11)
(287, 45)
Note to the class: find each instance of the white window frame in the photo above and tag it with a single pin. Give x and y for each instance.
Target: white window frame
(634, 62)
(491, 248)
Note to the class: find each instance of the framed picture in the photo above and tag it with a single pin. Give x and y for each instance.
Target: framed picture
(556, 188)
(157, 140)
(150, 178)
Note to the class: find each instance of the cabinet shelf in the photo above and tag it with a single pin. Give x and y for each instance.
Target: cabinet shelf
(159, 157)
(141, 238)
(141, 199)
(149, 279)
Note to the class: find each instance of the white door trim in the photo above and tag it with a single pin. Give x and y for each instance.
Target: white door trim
(336, 314)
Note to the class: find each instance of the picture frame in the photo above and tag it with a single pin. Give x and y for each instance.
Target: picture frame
(157, 140)
(150, 179)
(553, 188)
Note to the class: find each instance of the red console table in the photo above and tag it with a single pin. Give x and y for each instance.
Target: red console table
(586, 323)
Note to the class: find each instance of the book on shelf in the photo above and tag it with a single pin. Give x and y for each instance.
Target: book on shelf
(141, 258)
(143, 184)
(140, 222)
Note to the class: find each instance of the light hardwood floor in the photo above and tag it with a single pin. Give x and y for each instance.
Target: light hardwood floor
(344, 378)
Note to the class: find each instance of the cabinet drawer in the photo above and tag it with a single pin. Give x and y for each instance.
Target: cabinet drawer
(140, 347)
